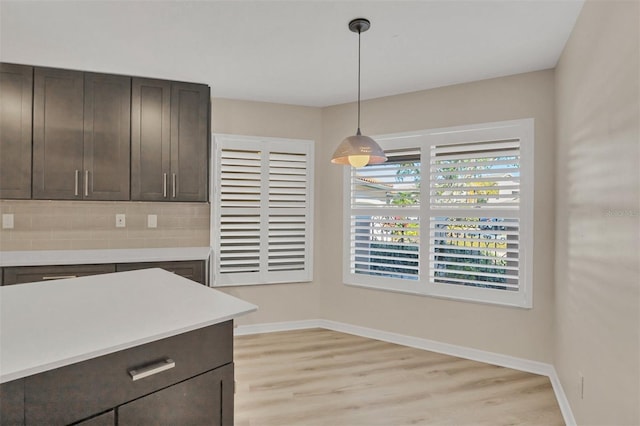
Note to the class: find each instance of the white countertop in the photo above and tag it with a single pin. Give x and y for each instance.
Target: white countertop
(47, 325)
(86, 257)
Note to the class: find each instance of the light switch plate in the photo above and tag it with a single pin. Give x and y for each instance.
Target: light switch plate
(7, 221)
(120, 220)
(152, 221)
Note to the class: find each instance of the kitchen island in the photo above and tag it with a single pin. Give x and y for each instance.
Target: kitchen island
(132, 347)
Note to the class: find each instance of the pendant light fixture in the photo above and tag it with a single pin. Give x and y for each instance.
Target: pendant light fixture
(358, 150)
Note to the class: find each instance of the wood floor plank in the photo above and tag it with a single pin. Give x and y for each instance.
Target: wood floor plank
(322, 377)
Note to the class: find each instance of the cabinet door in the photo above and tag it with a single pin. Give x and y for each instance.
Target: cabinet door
(16, 87)
(28, 274)
(150, 139)
(107, 140)
(191, 269)
(12, 403)
(189, 141)
(203, 400)
(58, 104)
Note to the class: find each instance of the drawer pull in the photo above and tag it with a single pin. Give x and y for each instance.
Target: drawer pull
(150, 370)
(59, 277)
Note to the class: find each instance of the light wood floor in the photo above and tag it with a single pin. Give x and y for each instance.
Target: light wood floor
(322, 377)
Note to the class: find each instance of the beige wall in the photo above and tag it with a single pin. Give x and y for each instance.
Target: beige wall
(598, 215)
(513, 331)
(277, 302)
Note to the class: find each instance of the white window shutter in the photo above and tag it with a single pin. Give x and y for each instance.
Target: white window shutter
(238, 199)
(383, 222)
(262, 210)
(467, 246)
(465, 233)
(288, 215)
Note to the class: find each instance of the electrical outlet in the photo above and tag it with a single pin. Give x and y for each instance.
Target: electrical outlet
(152, 221)
(7, 221)
(121, 220)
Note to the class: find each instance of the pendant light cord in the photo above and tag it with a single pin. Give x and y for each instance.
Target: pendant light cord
(358, 132)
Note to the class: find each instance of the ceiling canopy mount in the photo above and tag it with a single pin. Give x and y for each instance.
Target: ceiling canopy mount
(359, 25)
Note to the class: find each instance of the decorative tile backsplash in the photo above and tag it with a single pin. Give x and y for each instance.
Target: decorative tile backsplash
(74, 225)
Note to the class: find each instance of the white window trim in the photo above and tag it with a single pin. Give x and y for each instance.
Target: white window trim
(523, 298)
(266, 144)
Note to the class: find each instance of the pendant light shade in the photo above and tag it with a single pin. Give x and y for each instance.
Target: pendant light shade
(358, 150)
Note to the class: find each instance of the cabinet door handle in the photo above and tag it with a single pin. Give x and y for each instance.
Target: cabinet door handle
(58, 277)
(173, 178)
(86, 183)
(150, 370)
(77, 178)
(164, 185)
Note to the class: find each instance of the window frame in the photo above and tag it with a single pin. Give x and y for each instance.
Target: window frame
(522, 129)
(265, 145)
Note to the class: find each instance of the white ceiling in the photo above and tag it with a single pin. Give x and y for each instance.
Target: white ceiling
(296, 52)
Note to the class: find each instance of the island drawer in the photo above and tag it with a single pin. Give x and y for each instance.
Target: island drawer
(75, 392)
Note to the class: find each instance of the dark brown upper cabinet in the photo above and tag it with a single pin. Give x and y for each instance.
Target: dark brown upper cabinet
(150, 139)
(58, 110)
(16, 95)
(189, 141)
(107, 136)
(169, 141)
(81, 136)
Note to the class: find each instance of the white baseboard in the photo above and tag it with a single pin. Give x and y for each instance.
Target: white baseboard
(493, 358)
(242, 330)
(563, 402)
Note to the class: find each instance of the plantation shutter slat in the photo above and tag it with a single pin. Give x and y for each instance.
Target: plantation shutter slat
(395, 248)
(233, 189)
(478, 283)
(475, 145)
(472, 157)
(247, 171)
(475, 198)
(234, 176)
(471, 256)
(391, 268)
(263, 211)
